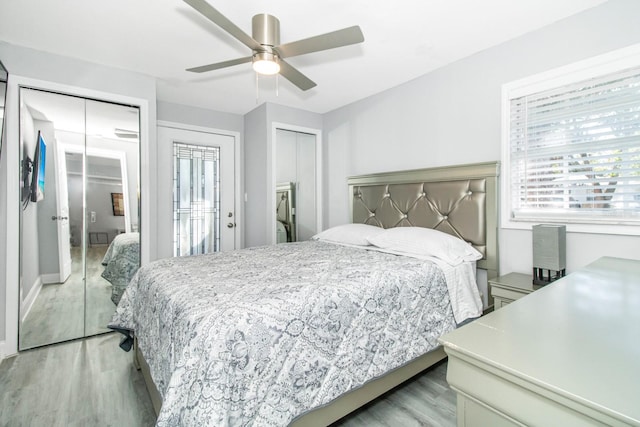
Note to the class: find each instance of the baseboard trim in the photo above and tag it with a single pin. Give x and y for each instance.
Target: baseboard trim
(25, 307)
(47, 279)
(2, 351)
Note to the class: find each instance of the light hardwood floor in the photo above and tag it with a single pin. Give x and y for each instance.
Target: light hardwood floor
(88, 382)
(425, 400)
(92, 382)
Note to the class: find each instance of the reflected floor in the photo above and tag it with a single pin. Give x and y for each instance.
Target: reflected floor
(58, 313)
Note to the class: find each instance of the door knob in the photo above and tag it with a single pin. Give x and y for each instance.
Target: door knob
(231, 225)
(61, 218)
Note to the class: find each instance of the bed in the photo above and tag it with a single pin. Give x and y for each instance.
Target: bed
(227, 363)
(121, 262)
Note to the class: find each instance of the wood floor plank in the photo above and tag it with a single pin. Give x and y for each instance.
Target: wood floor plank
(425, 400)
(89, 382)
(92, 382)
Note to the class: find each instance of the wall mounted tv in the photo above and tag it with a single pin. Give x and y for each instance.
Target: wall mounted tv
(39, 162)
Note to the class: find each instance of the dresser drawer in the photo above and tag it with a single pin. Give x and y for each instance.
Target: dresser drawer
(506, 294)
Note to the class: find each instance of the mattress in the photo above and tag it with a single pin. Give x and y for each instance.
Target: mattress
(263, 335)
(121, 262)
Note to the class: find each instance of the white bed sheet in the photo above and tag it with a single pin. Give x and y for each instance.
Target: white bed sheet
(466, 301)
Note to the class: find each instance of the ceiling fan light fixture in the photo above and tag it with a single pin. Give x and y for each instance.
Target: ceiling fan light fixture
(266, 63)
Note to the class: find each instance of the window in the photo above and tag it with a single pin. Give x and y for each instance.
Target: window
(571, 140)
(196, 199)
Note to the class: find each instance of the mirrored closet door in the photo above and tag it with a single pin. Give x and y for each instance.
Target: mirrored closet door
(296, 198)
(79, 221)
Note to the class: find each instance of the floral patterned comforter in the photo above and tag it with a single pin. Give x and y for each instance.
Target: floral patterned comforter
(262, 335)
(121, 262)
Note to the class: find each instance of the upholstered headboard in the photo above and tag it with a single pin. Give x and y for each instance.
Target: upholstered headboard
(460, 200)
(285, 200)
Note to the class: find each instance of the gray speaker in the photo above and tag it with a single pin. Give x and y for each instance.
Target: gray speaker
(549, 252)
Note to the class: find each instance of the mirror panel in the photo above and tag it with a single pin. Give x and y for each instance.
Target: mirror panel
(296, 201)
(52, 299)
(70, 224)
(111, 219)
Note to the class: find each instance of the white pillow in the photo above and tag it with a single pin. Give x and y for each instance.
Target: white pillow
(421, 241)
(350, 234)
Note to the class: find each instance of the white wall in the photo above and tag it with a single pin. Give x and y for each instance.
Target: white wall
(200, 117)
(57, 72)
(452, 116)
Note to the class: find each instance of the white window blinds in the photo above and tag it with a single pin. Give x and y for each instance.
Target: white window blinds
(574, 151)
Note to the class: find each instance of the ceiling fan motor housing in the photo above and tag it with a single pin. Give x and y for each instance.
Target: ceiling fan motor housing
(265, 29)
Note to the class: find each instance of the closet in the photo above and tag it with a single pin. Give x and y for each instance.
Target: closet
(79, 161)
(296, 184)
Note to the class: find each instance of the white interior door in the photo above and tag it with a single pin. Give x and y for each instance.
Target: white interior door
(223, 222)
(62, 212)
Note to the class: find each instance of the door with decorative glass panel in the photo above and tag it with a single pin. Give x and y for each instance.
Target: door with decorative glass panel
(203, 190)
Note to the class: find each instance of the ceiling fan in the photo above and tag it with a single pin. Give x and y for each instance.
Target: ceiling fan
(268, 54)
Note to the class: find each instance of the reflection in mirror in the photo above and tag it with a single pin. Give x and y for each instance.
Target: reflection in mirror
(3, 99)
(285, 208)
(296, 186)
(111, 208)
(69, 226)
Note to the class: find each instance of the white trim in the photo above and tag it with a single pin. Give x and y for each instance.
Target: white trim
(592, 67)
(271, 150)
(2, 355)
(27, 304)
(11, 150)
(238, 184)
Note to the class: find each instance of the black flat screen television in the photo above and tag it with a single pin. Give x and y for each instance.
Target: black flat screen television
(39, 162)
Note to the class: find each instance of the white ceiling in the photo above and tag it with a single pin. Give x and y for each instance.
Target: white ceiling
(403, 40)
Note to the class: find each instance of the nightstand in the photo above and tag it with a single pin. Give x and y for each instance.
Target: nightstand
(510, 287)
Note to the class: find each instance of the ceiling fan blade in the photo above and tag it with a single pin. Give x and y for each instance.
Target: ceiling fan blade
(218, 65)
(221, 21)
(294, 76)
(339, 38)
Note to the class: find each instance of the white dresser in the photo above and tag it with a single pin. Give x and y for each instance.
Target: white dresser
(567, 355)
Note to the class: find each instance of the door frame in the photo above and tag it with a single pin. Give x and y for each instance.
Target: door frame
(165, 154)
(271, 203)
(11, 152)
